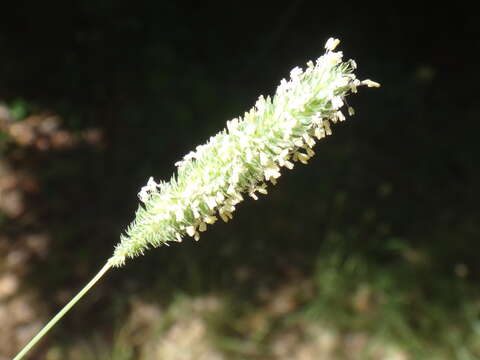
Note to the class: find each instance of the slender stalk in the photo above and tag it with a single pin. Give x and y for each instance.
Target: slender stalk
(62, 312)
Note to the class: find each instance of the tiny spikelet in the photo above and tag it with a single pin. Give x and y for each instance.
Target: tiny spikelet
(244, 157)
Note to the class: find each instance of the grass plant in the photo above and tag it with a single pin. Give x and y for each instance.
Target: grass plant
(239, 161)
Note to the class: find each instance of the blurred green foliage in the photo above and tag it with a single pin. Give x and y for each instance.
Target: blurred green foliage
(19, 109)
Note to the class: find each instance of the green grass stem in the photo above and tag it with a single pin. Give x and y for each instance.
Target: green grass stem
(62, 312)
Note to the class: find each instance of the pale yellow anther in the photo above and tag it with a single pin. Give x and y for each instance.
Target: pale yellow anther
(331, 44)
(370, 83)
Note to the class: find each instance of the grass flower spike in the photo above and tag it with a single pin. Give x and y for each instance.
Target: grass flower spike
(239, 161)
(244, 157)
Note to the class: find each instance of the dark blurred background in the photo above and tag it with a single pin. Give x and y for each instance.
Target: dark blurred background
(369, 252)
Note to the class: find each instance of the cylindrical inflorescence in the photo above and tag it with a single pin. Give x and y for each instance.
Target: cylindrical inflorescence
(244, 157)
